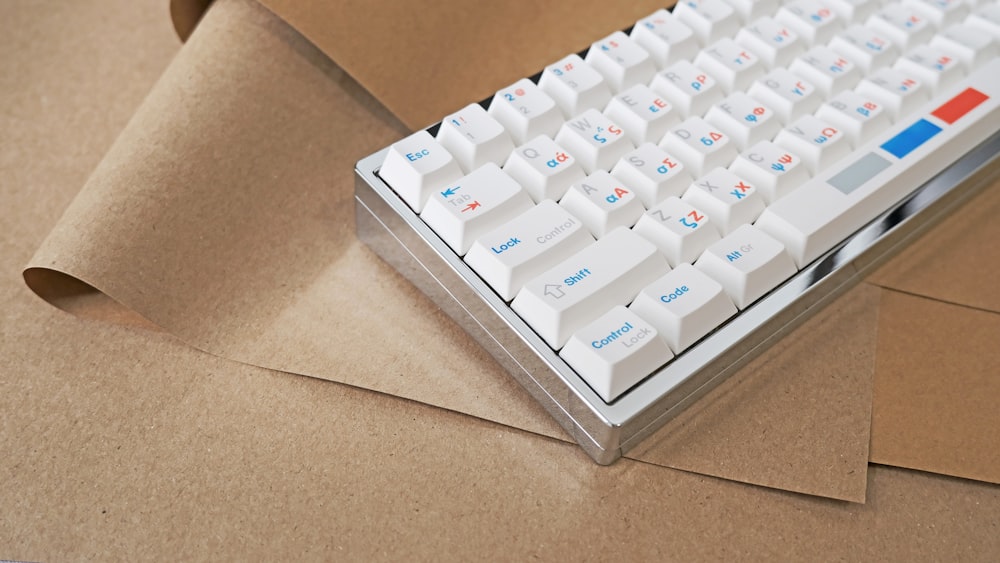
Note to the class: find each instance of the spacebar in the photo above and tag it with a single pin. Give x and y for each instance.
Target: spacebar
(818, 215)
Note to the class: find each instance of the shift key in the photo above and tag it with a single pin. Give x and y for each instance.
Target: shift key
(583, 287)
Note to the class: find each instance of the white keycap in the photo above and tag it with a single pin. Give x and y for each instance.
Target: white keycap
(866, 48)
(734, 66)
(679, 230)
(524, 247)
(603, 203)
(725, 197)
(621, 61)
(859, 117)
(574, 85)
(935, 68)
(688, 88)
(474, 138)
(812, 20)
(643, 114)
(787, 94)
(750, 10)
(594, 140)
(665, 38)
(772, 41)
(472, 206)
(543, 168)
(986, 18)
(748, 263)
(817, 216)
(900, 93)
(709, 19)
(973, 46)
(576, 291)
(700, 145)
(826, 69)
(526, 111)
(902, 25)
(416, 166)
(744, 119)
(853, 10)
(615, 352)
(653, 173)
(940, 12)
(773, 170)
(816, 141)
(684, 306)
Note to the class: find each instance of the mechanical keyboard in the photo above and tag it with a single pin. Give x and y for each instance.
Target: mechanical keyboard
(631, 225)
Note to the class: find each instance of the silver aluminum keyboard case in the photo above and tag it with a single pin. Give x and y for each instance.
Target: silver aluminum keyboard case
(606, 431)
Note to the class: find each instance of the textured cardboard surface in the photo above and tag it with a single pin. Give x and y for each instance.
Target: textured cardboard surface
(938, 365)
(936, 394)
(126, 444)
